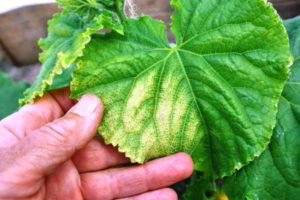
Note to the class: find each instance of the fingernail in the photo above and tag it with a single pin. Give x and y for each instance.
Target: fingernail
(86, 105)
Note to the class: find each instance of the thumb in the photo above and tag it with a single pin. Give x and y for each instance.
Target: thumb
(53, 144)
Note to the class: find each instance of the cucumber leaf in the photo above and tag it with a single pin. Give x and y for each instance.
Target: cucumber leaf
(213, 95)
(275, 175)
(10, 92)
(293, 28)
(62, 80)
(85, 8)
(88, 9)
(68, 34)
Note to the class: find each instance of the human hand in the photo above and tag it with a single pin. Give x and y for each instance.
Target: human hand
(48, 150)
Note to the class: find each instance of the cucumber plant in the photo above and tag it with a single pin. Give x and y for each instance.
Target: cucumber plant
(214, 94)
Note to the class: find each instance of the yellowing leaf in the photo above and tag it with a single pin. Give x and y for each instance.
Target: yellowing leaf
(213, 95)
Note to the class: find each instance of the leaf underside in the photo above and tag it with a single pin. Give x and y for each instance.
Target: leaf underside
(214, 95)
(68, 35)
(275, 174)
(85, 8)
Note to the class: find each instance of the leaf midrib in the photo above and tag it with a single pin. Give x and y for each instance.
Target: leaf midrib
(156, 100)
(198, 109)
(194, 97)
(191, 88)
(176, 50)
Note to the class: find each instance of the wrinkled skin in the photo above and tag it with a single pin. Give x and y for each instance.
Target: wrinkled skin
(48, 150)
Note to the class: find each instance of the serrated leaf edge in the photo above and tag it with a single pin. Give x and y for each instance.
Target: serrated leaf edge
(237, 165)
(277, 19)
(61, 63)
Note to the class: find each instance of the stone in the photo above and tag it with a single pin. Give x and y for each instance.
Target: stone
(20, 30)
(158, 9)
(25, 73)
(4, 58)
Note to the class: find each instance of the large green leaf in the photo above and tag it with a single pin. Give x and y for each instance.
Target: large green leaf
(10, 92)
(293, 27)
(68, 35)
(213, 95)
(275, 175)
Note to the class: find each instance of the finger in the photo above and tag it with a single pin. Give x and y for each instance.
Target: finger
(61, 96)
(64, 183)
(96, 156)
(162, 194)
(124, 182)
(56, 142)
(43, 111)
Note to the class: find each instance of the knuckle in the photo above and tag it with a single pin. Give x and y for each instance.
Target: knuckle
(54, 140)
(62, 129)
(147, 177)
(114, 186)
(55, 132)
(59, 134)
(89, 190)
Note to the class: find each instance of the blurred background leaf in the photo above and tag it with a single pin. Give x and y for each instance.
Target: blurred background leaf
(10, 92)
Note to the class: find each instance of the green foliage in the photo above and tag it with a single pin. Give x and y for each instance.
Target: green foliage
(200, 188)
(88, 9)
(85, 7)
(68, 34)
(214, 94)
(275, 174)
(10, 93)
(293, 28)
(162, 99)
(63, 80)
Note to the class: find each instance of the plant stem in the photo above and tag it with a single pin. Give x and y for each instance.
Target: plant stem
(120, 9)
